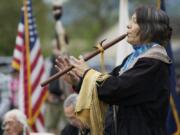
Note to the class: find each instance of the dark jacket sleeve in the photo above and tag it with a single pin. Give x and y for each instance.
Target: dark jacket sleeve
(70, 130)
(134, 85)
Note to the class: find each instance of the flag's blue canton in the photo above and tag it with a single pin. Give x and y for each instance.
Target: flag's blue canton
(32, 25)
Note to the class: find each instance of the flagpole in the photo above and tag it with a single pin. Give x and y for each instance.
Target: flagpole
(27, 51)
(161, 5)
(175, 114)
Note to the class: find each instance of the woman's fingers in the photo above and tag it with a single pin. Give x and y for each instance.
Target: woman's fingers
(60, 65)
(67, 61)
(77, 72)
(79, 64)
(73, 75)
(81, 58)
(75, 62)
(62, 62)
(59, 58)
(57, 67)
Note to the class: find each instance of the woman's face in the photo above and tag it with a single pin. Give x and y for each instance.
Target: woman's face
(12, 126)
(133, 31)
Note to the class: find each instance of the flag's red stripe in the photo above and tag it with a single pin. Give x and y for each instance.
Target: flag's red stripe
(20, 34)
(18, 47)
(35, 60)
(34, 128)
(41, 118)
(40, 100)
(38, 79)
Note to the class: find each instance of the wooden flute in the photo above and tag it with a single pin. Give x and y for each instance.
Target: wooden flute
(91, 54)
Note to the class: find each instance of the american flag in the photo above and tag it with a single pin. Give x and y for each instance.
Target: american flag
(29, 61)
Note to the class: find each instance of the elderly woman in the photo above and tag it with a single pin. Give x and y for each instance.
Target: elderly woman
(15, 123)
(140, 86)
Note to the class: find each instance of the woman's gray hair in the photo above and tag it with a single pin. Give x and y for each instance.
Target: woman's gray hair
(154, 25)
(71, 100)
(21, 117)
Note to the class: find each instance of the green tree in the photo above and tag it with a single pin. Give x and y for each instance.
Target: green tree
(9, 14)
(10, 17)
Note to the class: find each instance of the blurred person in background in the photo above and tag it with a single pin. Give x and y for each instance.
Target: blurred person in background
(15, 123)
(14, 87)
(54, 116)
(74, 127)
(5, 102)
(59, 89)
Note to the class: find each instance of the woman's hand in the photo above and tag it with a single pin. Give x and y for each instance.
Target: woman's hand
(71, 77)
(80, 65)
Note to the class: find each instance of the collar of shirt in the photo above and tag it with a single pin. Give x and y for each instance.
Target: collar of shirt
(138, 50)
